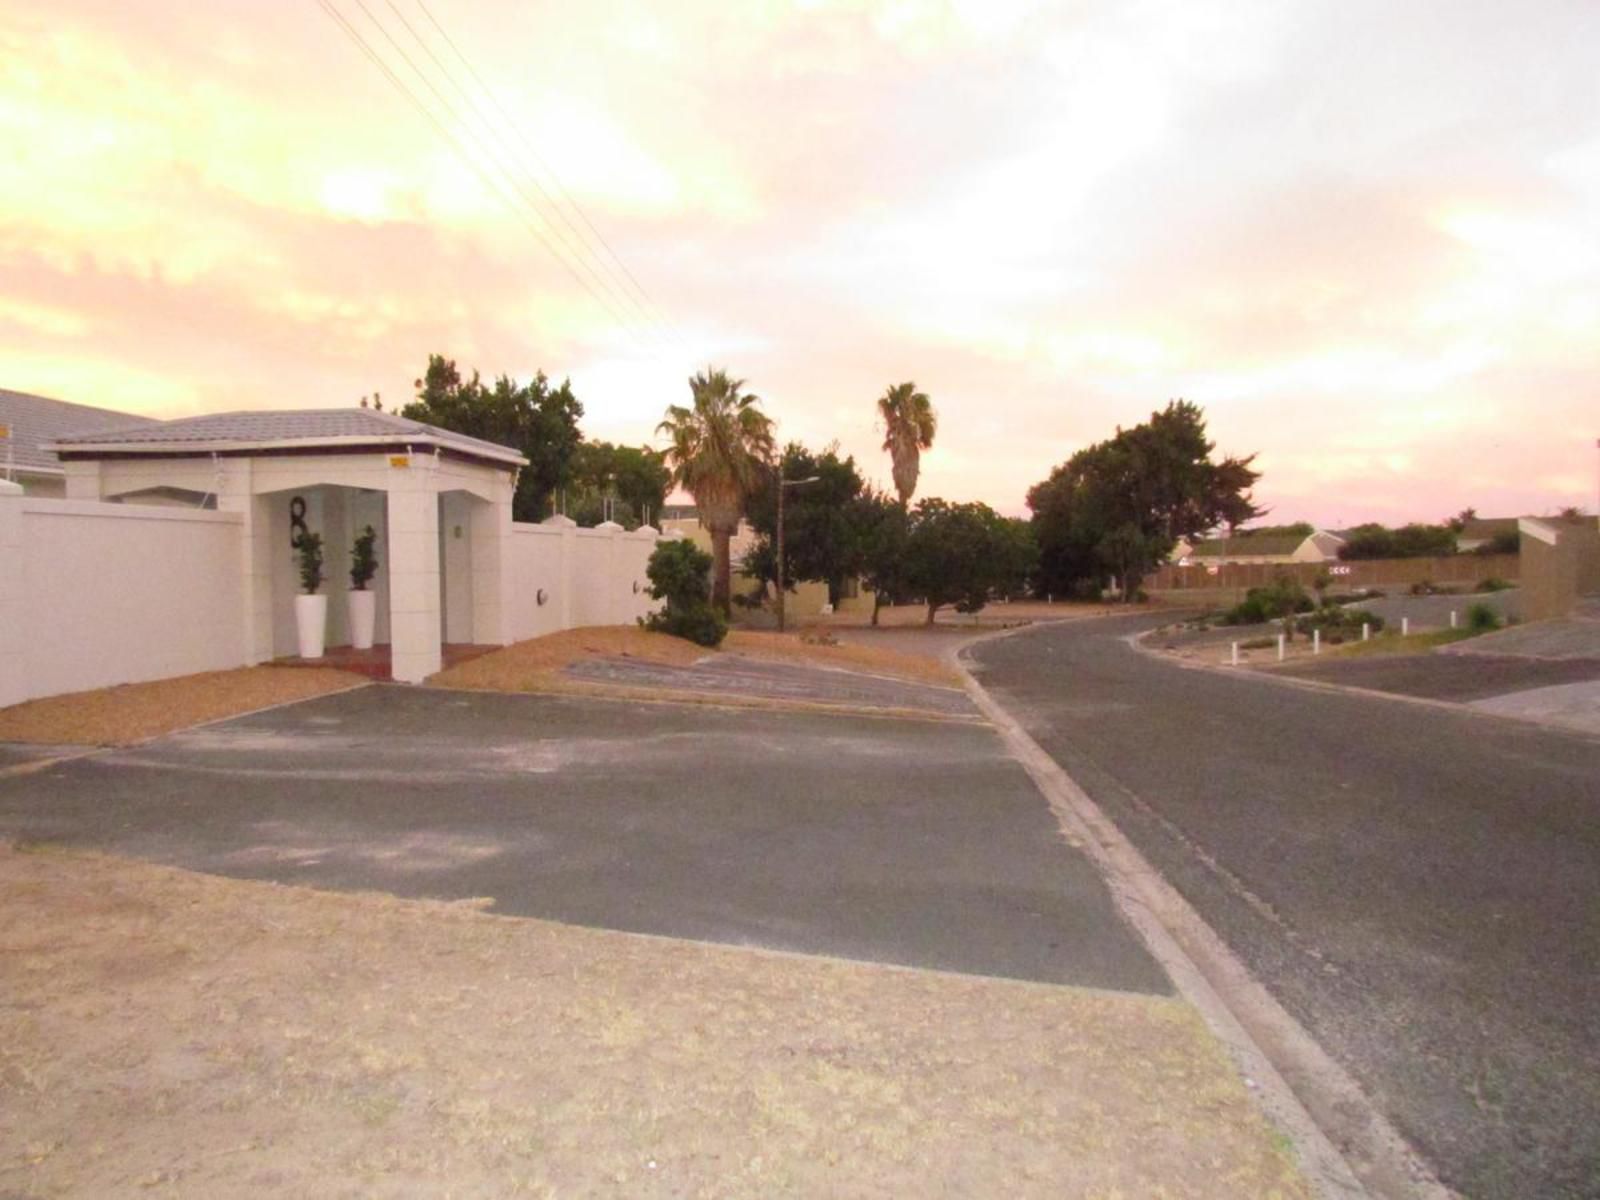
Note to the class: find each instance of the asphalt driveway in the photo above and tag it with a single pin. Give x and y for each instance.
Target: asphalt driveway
(899, 841)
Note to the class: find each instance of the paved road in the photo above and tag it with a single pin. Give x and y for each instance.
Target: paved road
(1420, 888)
(901, 841)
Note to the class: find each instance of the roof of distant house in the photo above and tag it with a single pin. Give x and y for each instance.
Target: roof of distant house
(1254, 544)
(38, 421)
(332, 428)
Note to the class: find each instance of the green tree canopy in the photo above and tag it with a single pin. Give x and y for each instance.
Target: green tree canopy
(1409, 541)
(1117, 508)
(535, 419)
(823, 535)
(635, 480)
(964, 554)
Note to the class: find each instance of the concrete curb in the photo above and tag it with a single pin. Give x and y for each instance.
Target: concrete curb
(1346, 1147)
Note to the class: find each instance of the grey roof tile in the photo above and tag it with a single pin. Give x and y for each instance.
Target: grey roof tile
(37, 420)
(288, 425)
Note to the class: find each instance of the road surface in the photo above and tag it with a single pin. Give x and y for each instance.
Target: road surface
(1419, 887)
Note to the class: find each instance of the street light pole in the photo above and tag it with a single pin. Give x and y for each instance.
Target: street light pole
(782, 484)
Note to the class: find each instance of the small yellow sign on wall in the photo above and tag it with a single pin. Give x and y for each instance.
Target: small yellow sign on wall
(399, 460)
(5, 432)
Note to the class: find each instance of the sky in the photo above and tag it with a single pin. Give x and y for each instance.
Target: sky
(1364, 236)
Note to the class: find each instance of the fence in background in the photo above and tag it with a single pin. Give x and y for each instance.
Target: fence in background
(1229, 581)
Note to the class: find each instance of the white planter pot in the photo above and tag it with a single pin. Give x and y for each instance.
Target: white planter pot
(363, 615)
(311, 623)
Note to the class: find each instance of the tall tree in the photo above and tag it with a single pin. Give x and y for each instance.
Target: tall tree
(964, 554)
(720, 442)
(1118, 507)
(909, 424)
(634, 479)
(822, 533)
(535, 419)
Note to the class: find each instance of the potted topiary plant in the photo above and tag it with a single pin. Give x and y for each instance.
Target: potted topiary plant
(363, 603)
(310, 609)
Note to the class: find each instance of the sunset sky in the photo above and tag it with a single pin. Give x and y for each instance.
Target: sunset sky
(1364, 235)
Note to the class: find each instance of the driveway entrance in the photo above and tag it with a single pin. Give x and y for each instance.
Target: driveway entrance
(911, 842)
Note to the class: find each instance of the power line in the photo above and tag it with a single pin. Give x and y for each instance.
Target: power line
(585, 246)
(492, 155)
(548, 169)
(467, 157)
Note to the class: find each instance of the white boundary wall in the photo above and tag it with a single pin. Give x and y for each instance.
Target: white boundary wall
(100, 594)
(587, 576)
(94, 594)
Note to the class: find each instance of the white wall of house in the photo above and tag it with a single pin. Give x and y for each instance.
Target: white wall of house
(99, 592)
(112, 593)
(589, 576)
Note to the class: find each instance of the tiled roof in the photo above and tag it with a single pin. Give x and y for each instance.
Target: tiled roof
(37, 420)
(1243, 544)
(272, 427)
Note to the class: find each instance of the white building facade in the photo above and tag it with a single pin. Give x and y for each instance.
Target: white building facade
(103, 588)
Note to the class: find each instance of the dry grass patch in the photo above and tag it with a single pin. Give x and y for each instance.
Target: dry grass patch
(537, 665)
(874, 660)
(175, 1033)
(133, 712)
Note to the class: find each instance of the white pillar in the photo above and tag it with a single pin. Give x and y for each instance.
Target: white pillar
(1236, 654)
(1453, 615)
(414, 630)
(13, 686)
(234, 488)
(1366, 631)
(1405, 626)
(561, 587)
(1280, 647)
(1316, 641)
(493, 596)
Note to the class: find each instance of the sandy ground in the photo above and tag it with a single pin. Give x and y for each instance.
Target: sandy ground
(133, 712)
(537, 665)
(164, 1033)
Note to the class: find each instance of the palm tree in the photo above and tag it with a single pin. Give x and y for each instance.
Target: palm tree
(719, 446)
(909, 424)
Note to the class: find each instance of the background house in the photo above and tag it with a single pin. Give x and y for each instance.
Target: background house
(1478, 532)
(32, 422)
(1246, 547)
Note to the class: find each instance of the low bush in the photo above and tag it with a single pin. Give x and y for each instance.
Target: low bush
(1493, 584)
(1333, 620)
(1482, 619)
(1281, 598)
(680, 574)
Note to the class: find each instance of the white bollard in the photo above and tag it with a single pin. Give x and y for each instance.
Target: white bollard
(1236, 654)
(1280, 647)
(1405, 626)
(1366, 631)
(1316, 641)
(1452, 618)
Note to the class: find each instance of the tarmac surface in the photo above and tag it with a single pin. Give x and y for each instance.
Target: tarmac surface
(913, 842)
(736, 675)
(1418, 886)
